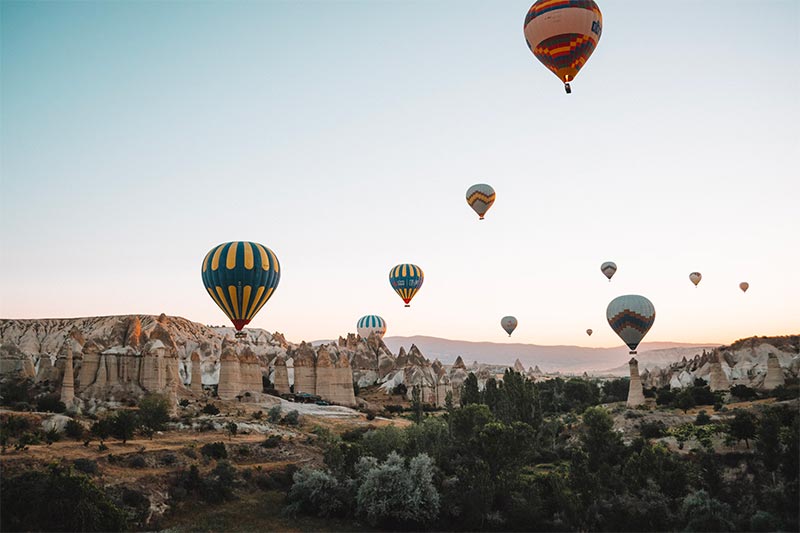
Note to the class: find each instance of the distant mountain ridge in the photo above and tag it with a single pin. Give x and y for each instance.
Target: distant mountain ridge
(549, 358)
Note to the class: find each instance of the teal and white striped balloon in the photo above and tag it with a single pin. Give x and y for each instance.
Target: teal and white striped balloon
(371, 324)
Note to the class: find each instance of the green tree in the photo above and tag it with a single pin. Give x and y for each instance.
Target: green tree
(124, 425)
(742, 426)
(685, 400)
(601, 442)
(153, 413)
(768, 445)
(470, 393)
(231, 428)
(701, 512)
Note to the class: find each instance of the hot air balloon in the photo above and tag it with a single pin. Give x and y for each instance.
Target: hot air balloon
(695, 277)
(371, 324)
(631, 317)
(608, 268)
(509, 324)
(240, 277)
(589, 332)
(480, 198)
(406, 279)
(744, 286)
(562, 34)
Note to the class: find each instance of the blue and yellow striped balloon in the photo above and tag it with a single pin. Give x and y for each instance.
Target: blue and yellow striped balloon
(406, 279)
(371, 324)
(240, 277)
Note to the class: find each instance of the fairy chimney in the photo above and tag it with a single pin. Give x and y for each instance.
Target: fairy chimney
(635, 392)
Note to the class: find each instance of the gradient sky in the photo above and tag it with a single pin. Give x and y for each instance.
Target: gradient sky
(343, 135)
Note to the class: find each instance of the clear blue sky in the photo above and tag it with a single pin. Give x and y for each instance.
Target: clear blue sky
(343, 135)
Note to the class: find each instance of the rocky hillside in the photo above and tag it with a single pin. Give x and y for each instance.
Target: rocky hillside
(745, 362)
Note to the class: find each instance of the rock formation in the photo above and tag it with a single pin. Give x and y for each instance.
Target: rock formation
(635, 392)
(281, 376)
(718, 380)
(775, 376)
(68, 383)
(519, 367)
(197, 374)
(305, 369)
(229, 385)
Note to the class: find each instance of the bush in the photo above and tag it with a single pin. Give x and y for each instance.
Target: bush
(702, 419)
(231, 428)
(51, 404)
(316, 492)
(400, 389)
(102, 429)
(274, 414)
(184, 403)
(743, 392)
(653, 430)
(215, 450)
(123, 425)
(394, 408)
(258, 415)
(169, 459)
(137, 461)
(272, 441)
(17, 392)
(87, 466)
(56, 500)
(391, 494)
(74, 429)
(292, 418)
(370, 415)
(210, 409)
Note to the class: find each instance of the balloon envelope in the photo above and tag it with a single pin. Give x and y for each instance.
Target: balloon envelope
(562, 34)
(744, 286)
(406, 279)
(631, 317)
(609, 268)
(509, 324)
(589, 332)
(695, 277)
(371, 324)
(240, 277)
(480, 198)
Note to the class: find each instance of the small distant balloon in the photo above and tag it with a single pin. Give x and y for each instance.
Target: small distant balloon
(631, 317)
(744, 286)
(480, 198)
(695, 277)
(371, 324)
(509, 324)
(608, 268)
(589, 332)
(406, 279)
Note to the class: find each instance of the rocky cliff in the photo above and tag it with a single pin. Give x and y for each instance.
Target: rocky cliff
(757, 362)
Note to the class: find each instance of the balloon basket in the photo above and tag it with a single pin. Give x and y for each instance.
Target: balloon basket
(240, 335)
(407, 305)
(568, 88)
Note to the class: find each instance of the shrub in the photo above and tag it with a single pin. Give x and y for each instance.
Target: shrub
(274, 414)
(400, 389)
(74, 429)
(292, 418)
(231, 428)
(87, 466)
(102, 429)
(17, 392)
(123, 425)
(56, 500)
(169, 459)
(137, 461)
(272, 441)
(393, 494)
(210, 409)
(184, 403)
(258, 415)
(702, 419)
(394, 408)
(215, 450)
(52, 435)
(743, 392)
(370, 415)
(50, 403)
(316, 492)
(653, 430)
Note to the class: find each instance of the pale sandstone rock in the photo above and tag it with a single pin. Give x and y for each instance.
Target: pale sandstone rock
(229, 385)
(68, 383)
(635, 392)
(775, 377)
(281, 376)
(197, 374)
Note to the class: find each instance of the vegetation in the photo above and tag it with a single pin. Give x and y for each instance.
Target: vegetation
(56, 500)
(544, 457)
